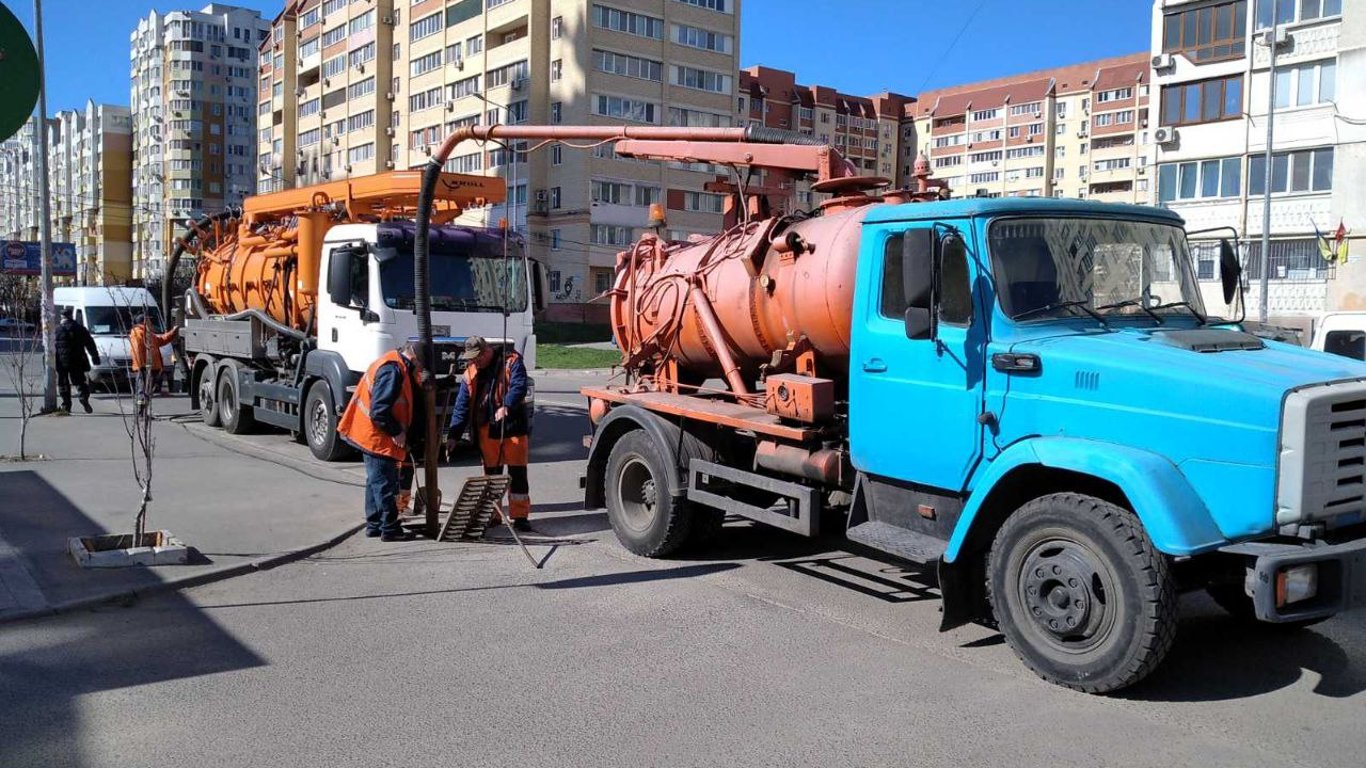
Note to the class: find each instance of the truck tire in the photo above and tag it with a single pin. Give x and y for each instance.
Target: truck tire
(238, 419)
(647, 520)
(208, 395)
(1238, 604)
(1080, 593)
(320, 424)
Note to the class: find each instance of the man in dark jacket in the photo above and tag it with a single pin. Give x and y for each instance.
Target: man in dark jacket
(492, 397)
(74, 343)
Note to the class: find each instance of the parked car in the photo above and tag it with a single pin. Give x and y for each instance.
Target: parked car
(1342, 333)
(10, 326)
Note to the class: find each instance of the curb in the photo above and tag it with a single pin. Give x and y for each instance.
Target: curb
(125, 596)
(574, 371)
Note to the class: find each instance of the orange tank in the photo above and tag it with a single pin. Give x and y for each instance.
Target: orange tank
(763, 286)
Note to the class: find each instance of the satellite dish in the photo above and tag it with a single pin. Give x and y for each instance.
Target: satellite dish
(18, 74)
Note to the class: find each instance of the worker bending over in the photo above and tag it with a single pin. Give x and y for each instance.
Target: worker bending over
(491, 395)
(379, 421)
(144, 344)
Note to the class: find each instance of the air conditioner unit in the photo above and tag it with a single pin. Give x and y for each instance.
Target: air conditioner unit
(1142, 170)
(427, 150)
(326, 82)
(1143, 122)
(336, 141)
(1081, 134)
(299, 93)
(450, 106)
(388, 163)
(458, 63)
(1165, 135)
(389, 131)
(347, 167)
(1163, 61)
(360, 66)
(388, 19)
(517, 84)
(542, 195)
(389, 95)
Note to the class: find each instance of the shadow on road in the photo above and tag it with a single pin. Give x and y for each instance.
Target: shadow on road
(558, 434)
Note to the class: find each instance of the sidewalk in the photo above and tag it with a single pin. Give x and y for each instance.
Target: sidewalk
(238, 511)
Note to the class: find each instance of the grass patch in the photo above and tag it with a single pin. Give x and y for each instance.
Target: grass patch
(572, 333)
(561, 356)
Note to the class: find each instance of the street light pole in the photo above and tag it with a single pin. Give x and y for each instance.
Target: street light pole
(45, 225)
(1270, 39)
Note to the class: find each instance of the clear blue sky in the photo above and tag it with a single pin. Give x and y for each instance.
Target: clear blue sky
(857, 46)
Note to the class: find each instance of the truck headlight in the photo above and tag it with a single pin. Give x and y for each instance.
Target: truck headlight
(1296, 584)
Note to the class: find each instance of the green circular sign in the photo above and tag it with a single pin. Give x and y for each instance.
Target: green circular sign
(18, 74)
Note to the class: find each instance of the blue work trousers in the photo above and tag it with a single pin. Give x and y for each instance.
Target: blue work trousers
(381, 494)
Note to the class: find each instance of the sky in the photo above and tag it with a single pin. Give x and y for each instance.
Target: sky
(857, 46)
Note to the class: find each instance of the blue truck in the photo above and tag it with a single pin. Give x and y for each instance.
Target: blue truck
(1034, 402)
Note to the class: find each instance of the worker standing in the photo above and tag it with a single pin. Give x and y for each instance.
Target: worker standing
(75, 351)
(144, 344)
(379, 420)
(491, 396)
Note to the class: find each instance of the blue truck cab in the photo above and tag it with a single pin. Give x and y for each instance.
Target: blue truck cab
(1040, 406)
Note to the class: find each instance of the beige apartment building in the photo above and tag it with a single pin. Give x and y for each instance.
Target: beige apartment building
(865, 129)
(89, 160)
(194, 121)
(355, 88)
(1077, 131)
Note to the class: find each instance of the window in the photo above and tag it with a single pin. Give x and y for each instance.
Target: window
(425, 100)
(1306, 84)
(1346, 343)
(985, 157)
(1035, 129)
(1113, 118)
(309, 138)
(984, 178)
(1034, 173)
(701, 79)
(425, 27)
(334, 36)
(462, 88)
(310, 107)
(1113, 164)
(334, 66)
(362, 153)
(1202, 102)
(1203, 179)
(627, 66)
(309, 18)
(1291, 11)
(424, 64)
(625, 108)
(556, 27)
(506, 74)
(362, 23)
(1032, 108)
(704, 202)
(556, 70)
(554, 197)
(332, 6)
(1289, 260)
(475, 44)
(362, 121)
(1118, 94)
(706, 39)
(556, 154)
(948, 162)
(363, 88)
(607, 234)
(309, 48)
(630, 23)
(985, 114)
(361, 55)
(470, 163)
(722, 6)
(1210, 33)
(1309, 170)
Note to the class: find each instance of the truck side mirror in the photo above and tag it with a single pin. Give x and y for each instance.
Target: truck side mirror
(1230, 271)
(918, 272)
(918, 325)
(339, 271)
(538, 295)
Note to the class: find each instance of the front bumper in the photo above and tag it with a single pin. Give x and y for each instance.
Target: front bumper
(1341, 575)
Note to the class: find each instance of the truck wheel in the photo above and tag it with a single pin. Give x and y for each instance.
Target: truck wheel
(208, 397)
(645, 517)
(320, 424)
(1238, 603)
(237, 418)
(1080, 593)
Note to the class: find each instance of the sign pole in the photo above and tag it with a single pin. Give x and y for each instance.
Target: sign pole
(45, 225)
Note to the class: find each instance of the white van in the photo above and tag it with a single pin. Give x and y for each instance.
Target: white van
(107, 312)
(1341, 333)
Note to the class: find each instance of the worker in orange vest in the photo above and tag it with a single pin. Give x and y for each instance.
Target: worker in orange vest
(144, 344)
(492, 394)
(378, 421)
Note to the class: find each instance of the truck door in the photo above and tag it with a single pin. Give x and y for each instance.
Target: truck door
(345, 314)
(914, 402)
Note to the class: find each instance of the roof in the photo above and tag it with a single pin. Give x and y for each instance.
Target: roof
(1002, 206)
(1025, 87)
(1121, 75)
(986, 98)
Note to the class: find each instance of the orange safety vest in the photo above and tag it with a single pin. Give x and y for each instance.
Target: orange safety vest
(145, 346)
(356, 426)
(500, 387)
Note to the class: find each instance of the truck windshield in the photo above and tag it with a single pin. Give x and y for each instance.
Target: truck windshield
(459, 283)
(117, 321)
(1046, 268)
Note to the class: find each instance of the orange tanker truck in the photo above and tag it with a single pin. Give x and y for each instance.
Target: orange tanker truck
(298, 292)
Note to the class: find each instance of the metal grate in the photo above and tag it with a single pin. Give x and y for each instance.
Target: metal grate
(480, 499)
(1322, 472)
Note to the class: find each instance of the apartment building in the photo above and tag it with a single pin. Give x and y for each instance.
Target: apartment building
(1213, 74)
(1076, 131)
(89, 157)
(865, 129)
(354, 88)
(193, 76)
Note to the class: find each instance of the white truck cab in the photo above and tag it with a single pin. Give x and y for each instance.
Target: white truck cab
(1341, 333)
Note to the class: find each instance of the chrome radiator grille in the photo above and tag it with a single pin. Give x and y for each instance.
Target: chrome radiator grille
(1322, 465)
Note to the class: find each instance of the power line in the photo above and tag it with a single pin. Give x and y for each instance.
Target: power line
(943, 56)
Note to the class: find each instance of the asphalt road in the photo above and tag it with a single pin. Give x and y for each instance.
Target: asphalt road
(770, 650)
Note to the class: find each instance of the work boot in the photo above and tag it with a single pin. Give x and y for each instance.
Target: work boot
(398, 536)
(521, 525)
(85, 403)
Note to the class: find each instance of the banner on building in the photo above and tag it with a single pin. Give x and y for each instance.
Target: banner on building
(22, 257)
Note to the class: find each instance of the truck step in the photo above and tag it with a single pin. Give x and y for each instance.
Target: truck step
(904, 543)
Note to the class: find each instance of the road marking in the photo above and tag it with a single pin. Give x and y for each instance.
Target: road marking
(562, 403)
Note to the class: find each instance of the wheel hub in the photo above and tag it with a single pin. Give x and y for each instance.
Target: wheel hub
(317, 428)
(1062, 591)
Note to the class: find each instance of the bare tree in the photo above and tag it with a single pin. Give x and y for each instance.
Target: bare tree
(18, 299)
(137, 419)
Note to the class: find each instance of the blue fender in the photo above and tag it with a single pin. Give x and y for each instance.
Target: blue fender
(1173, 514)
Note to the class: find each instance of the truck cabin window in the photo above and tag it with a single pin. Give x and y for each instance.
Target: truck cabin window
(1346, 343)
(1046, 267)
(473, 280)
(955, 301)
